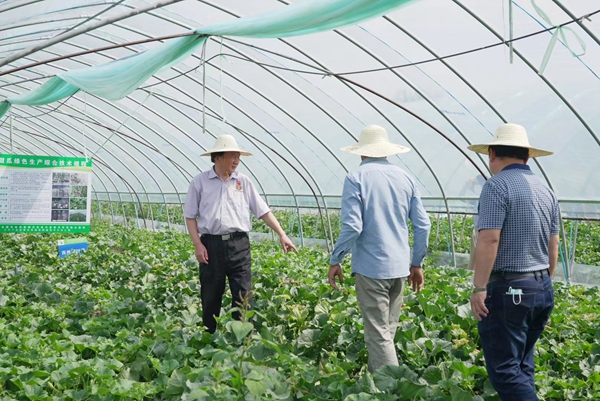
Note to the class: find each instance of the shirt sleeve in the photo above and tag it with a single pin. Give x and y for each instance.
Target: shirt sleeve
(422, 226)
(192, 200)
(257, 205)
(352, 223)
(493, 207)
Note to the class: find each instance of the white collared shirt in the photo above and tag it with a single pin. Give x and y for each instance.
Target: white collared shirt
(223, 207)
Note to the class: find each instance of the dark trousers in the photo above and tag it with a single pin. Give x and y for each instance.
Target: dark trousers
(510, 331)
(229, 259)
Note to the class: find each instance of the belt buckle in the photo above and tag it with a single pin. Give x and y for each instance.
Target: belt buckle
(225, 237)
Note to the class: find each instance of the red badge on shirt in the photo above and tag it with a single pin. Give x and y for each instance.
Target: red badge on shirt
(238, 186)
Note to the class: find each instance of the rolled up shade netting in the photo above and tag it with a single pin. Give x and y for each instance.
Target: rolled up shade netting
(53, 90)
(115, 80)
(4, 106)
(304, 18)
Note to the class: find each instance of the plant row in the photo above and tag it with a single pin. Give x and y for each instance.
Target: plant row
(123, 322)
(314, 225)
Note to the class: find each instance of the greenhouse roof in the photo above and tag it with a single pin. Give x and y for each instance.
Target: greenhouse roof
(293, 91)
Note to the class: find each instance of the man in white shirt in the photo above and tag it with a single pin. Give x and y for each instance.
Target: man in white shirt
(217, 213)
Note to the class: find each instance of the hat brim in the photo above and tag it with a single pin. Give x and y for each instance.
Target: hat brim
(376, 150)
(241, 152)
(533, 152)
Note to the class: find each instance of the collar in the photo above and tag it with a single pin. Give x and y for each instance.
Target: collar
(379, 160)
(213, 174)
(517, 166)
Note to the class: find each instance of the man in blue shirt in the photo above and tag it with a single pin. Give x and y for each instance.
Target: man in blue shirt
(377, 201)
(515, 258)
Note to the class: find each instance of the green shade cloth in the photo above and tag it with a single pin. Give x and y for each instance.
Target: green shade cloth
(309, 16)
(115, 80)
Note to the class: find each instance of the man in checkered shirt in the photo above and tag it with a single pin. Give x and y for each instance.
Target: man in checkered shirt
(515, 258)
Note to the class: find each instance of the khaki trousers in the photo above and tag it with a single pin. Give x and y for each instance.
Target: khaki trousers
(380, 302)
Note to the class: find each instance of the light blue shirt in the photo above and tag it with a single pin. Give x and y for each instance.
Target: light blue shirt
(378, 200)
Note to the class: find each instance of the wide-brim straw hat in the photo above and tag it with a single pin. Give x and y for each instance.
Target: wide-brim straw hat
(374, 142)
(226, 143)
(510, 135)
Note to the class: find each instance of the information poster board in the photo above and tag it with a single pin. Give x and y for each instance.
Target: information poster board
(45, 194)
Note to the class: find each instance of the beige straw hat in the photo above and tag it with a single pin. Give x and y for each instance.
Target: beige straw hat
(374, 142)
(226, 143)
(510, 135)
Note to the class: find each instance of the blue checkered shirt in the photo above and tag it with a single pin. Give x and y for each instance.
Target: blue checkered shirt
(521, 205)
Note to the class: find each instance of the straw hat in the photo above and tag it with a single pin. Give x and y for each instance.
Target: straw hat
(226, 143)
(374, 142)
(510, 135)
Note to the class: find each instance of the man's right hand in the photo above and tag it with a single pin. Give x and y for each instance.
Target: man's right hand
(201, 253)
(335, 271)
(415, 279)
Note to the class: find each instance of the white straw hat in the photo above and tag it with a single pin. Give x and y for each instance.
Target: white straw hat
(226, 143)
(374, 142)
(510, 135)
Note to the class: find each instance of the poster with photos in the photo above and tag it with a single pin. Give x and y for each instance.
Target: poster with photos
(45, 194)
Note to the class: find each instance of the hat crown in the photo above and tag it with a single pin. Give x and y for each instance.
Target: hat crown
(374, 142)
(225, 142)
(373, 134)
(512, 135)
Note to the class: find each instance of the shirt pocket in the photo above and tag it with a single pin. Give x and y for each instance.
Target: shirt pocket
(238, 206)
(238, 198)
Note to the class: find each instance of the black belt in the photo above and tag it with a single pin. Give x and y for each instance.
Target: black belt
(516, 276)
(225, 237)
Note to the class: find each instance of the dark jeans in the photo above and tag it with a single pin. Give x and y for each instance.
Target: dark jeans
(510, 331)
(230, 260)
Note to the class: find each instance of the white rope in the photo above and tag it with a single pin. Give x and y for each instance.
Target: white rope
(83, 131)
(503, 20)
(122, 123)
(510, 29)
(10, 116)
(221, 81)
(203, 61)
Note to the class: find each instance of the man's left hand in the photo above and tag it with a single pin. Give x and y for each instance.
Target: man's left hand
(478, 305)
(287, 244)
